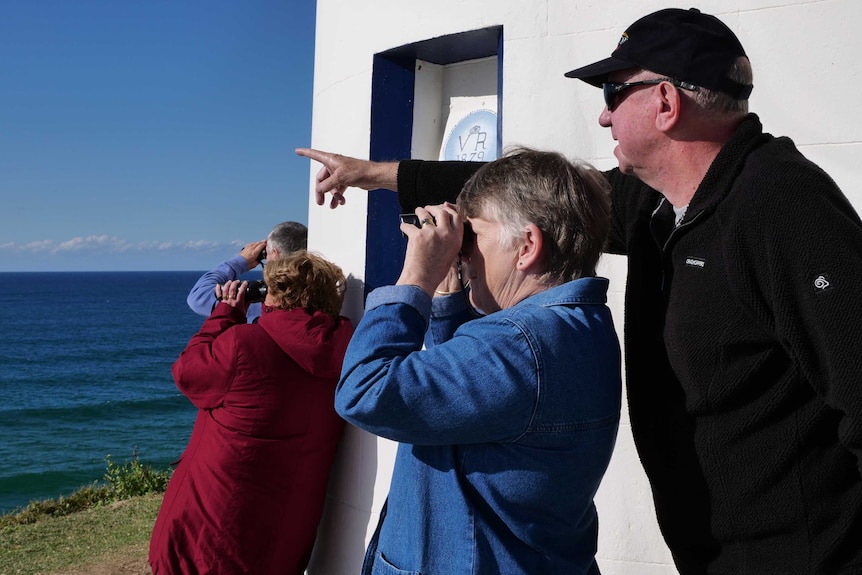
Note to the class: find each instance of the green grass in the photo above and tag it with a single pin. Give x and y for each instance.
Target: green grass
(99, 523)
(102, 534)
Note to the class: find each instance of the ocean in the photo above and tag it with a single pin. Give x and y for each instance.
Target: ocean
(85, 372)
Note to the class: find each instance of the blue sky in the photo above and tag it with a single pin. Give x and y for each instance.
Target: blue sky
(150, 134)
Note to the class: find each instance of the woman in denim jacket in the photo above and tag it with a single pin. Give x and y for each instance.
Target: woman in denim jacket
(506, 420)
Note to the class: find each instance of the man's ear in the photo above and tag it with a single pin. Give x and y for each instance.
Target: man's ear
(530, 250)
(669, 102)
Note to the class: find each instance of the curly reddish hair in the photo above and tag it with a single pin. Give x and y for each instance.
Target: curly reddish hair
(304, 279)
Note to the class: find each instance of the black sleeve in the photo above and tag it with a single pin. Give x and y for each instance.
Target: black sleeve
(424, 183)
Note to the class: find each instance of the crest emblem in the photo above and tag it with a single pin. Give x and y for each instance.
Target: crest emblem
(623, 39)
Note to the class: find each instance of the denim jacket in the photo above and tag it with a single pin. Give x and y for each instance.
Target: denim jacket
(506, 424)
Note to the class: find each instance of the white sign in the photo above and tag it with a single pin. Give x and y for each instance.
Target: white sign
(471, 131)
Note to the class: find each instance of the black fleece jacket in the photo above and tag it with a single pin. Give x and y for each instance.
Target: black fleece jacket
(743, 341)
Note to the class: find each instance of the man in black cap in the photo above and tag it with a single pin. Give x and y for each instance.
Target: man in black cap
(743, 311)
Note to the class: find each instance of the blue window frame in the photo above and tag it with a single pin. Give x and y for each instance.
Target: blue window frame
(392, 95)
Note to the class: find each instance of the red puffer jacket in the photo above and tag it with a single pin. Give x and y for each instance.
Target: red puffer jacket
(249, 490)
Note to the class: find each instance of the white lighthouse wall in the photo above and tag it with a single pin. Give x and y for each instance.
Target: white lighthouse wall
(805, 55)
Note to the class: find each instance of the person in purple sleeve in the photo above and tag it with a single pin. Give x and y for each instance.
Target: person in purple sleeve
(285, 238)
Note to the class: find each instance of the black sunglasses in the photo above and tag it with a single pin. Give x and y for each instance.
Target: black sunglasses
(612, 89)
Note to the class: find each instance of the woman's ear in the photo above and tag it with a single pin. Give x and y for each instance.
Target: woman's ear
(530, 248)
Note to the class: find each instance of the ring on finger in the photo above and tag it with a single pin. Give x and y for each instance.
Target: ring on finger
(427, 221)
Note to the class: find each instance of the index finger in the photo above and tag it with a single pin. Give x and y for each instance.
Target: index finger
(445, 213)
(316, 155)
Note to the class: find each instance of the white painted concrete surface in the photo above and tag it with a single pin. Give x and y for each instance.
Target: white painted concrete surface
(807, 77)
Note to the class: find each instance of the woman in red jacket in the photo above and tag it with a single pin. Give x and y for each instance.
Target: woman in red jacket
(249, 490)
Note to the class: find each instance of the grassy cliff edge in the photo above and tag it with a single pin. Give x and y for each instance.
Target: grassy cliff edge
(99, 529)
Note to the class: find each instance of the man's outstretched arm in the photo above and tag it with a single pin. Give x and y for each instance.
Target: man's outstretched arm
(418, 182)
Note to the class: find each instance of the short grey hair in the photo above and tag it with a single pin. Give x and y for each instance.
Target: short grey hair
(713, 101)
(288, 237)
(568, 201)
(721, 103)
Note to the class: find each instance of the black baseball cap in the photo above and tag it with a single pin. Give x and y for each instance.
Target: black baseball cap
(685, 45)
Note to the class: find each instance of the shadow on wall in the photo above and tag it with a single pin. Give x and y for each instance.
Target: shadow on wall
(354, 299)
(348, 517)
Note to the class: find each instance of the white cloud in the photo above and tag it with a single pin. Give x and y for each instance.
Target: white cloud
(106, 244)
(37, 246)
(89, 243)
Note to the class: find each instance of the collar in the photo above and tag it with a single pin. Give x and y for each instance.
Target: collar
(726, 166)
(589, 290)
